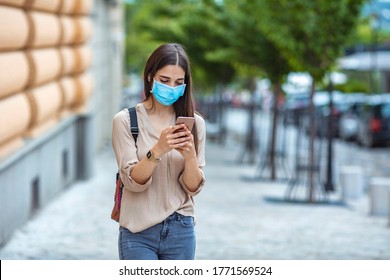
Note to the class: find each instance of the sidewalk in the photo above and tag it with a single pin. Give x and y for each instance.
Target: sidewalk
(236, 219)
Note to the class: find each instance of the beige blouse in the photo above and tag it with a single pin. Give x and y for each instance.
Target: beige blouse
(165, 193)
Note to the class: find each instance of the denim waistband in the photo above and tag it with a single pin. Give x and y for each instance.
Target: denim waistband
(175, 216)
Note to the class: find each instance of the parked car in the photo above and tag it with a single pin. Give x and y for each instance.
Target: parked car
(374, 121)
(348, 126)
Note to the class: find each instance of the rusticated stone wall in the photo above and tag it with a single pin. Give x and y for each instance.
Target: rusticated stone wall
(44, 63)
(51, 125)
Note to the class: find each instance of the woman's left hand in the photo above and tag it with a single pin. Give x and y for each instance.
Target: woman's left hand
(188, 150)
(192, 176)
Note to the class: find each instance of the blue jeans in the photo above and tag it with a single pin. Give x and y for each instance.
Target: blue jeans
(172, 239)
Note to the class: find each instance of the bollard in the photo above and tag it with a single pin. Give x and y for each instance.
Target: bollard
(389, 206)
(379, 196)
(352, 181)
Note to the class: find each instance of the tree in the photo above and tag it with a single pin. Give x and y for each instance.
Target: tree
(193, 24)
(252, 48)
(311, 36)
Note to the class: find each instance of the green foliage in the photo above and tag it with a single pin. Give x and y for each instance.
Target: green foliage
(140, 41)
(310, 34)
(245, 38)
(253, 51)
(365, 34)
(206, 40)
(198, 25)
(362, 33)
(353, 85)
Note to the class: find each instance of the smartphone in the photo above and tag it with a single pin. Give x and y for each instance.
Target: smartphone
(188, 121)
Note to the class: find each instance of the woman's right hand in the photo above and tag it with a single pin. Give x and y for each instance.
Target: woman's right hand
(171, 138)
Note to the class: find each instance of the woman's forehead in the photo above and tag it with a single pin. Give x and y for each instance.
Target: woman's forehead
(171, 71)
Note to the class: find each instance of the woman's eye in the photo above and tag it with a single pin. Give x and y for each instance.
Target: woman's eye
(164, 81)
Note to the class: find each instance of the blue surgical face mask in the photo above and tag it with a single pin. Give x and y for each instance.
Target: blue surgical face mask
(167, 95)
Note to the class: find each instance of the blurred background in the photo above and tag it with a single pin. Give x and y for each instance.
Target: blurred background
(299, 88)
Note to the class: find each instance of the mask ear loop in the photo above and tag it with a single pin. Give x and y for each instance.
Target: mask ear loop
(151, 84)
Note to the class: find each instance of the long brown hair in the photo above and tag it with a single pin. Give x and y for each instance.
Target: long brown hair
(172, 54)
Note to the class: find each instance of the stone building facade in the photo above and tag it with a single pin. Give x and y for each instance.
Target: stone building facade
(60, 83)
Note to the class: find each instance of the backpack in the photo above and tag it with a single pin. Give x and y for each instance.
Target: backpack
(116, 210)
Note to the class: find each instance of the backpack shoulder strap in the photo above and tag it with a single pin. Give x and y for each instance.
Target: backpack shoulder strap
(133, 123)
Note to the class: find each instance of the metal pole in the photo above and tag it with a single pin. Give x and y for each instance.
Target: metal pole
(329, 171)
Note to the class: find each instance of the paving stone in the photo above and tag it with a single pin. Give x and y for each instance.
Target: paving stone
(236, 219)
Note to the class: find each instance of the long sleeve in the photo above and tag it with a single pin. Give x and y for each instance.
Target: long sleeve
(125, 151)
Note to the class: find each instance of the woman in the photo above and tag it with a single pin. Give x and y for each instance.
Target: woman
(161, 172)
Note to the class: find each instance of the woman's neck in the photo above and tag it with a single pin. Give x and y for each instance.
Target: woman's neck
(156, 109)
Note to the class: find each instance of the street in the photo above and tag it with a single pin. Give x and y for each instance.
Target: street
(237, 217)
